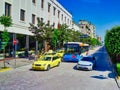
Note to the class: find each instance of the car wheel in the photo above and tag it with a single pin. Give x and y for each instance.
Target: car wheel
(58, 64)
(48, 67)
(92, 68)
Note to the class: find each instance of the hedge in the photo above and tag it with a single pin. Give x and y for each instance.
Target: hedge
(112, 43)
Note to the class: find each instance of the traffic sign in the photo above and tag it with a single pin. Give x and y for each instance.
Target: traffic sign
(14, 41)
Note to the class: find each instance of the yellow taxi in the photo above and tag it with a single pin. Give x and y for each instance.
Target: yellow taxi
(60, 53)
(50, 52)
(46, 62)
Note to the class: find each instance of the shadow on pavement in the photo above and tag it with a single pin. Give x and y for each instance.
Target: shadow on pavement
(110, 75)
(75, 68)
(99, 77)
(102, 62)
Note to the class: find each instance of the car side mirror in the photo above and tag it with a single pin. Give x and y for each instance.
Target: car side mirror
(94, 58)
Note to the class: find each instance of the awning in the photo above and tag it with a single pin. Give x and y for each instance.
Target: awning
(17, 30)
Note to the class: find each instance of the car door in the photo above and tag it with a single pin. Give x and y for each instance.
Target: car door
(53, 62)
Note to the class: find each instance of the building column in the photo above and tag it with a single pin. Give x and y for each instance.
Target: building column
(14, 46)
(27, 46)
(27, 43)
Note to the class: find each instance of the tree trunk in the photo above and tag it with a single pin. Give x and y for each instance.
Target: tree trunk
(36, 49)
(45, 43)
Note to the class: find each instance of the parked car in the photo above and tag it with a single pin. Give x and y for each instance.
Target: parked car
(46, 62)
(50, 52)
(86, 63)
(60, 53)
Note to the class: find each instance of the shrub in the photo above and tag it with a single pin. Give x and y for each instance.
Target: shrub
(112, 43)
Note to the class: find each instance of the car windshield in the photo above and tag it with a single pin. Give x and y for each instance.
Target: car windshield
(86, 59)
(46, 58)
(60, 51)
(49, 53)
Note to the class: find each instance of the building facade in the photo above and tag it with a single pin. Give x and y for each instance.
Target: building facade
(87, 28)
(75, 27)
(99, 38)
(24, 12)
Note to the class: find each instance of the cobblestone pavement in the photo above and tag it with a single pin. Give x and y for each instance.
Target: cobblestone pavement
(64, 77)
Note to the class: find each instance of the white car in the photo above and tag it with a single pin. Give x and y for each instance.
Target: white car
(86, 63)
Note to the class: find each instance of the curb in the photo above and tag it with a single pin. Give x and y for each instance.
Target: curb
(5, 69)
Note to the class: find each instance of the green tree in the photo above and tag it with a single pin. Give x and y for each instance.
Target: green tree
(6, 21)
(112, 43)
(42, 32)
(38, 32)
(64, 33)
(55, 38)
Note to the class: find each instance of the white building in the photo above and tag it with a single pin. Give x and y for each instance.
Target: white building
(24, 12)
(75, 27)
(87, 28)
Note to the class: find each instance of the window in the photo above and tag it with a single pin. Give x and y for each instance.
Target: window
(62, 16)
(58, 13)
(53, 25)
(68, 21)
(33, 18)
(22, 15)
(54, 9)
(65, 19)
(7, 9)
(42, 3)
(82, 27)
(42, 20)
(48, 23)
(49, 7)
(33, 1)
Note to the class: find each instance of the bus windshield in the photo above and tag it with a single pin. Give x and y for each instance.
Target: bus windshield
(75, 48)
(71, 48)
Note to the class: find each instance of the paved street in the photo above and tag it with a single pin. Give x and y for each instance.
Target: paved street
(65, 77)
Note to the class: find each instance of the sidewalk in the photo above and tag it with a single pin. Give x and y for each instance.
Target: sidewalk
(14, 63)
(92, 51)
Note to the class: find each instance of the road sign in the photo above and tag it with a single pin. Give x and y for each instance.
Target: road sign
(14, 41)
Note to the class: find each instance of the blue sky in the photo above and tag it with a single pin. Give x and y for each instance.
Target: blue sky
(104, 14)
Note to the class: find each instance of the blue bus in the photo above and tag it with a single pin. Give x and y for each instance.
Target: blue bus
(74, 51)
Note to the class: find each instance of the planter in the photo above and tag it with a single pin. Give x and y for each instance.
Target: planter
(1, 56)
(118, 68)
